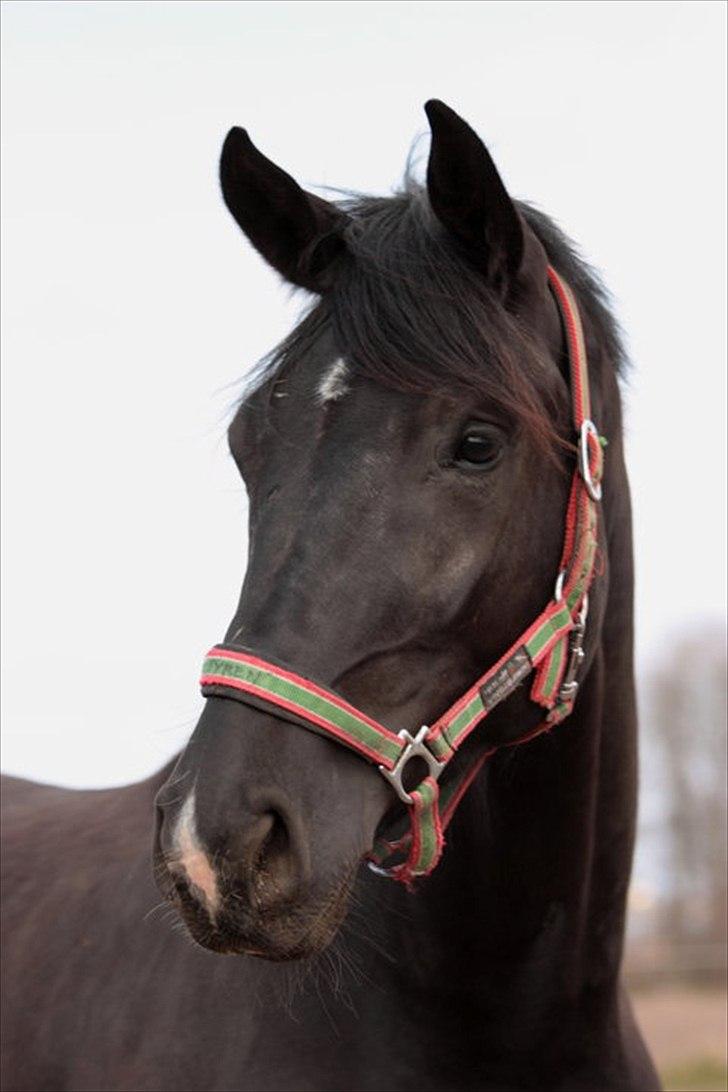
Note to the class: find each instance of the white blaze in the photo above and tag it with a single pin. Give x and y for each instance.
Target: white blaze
(191, 857)
(334, 384)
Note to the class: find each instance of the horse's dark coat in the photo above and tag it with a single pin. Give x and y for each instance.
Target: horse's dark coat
(381, 565)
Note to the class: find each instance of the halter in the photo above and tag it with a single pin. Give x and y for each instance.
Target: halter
(551, 647)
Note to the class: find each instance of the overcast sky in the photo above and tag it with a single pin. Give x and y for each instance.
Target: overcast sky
(132, 304)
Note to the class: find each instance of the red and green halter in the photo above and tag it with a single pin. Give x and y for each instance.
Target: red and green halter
(551, 647)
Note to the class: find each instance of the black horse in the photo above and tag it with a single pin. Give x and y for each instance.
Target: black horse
(408, 454)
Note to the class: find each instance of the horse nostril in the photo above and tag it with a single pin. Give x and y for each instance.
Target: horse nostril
(271, 856)
(274, 839)
(182, 887)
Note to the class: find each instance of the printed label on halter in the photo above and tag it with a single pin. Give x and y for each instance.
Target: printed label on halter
(505, 679)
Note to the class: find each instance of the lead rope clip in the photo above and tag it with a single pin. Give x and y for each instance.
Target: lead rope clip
(570, 684)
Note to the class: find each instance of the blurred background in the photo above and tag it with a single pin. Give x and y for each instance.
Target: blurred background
(132, 307)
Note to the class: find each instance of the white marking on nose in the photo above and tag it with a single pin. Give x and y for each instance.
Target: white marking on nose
(334, 383)
(191, 857)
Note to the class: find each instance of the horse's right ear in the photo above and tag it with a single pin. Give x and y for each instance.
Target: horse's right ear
(296, 232)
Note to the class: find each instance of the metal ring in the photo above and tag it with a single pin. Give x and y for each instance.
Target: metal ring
(559, 587)
(414, 748)
(588, 428)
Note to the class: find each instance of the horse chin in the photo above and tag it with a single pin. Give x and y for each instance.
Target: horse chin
(294, 931)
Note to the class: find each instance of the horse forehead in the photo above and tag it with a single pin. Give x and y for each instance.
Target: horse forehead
(342, 392)
(329, 404)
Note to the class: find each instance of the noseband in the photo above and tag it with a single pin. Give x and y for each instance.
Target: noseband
(551, 647)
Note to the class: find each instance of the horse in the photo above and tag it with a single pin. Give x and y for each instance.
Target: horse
(408, 453)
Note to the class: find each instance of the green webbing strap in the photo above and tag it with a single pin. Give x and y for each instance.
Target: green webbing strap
(231, 667)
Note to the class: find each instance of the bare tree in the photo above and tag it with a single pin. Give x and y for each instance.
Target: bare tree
(686, 737)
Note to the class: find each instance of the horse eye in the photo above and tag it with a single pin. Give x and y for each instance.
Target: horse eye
(479, 449)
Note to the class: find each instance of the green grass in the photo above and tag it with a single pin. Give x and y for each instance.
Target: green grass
(697, 1075)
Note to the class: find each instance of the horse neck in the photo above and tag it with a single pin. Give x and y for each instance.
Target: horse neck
(528, 903)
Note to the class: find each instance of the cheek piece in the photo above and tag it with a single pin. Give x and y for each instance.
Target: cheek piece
(551, 648)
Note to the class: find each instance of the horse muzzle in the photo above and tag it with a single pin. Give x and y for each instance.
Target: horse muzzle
(256, 851)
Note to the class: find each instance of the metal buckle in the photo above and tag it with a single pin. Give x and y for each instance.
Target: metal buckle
(588, 428)
(569, 683)
(415, 749)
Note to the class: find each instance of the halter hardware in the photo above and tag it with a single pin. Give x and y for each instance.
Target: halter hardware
(559, 586)
(552, 648)
(588, 431)
(569, 683)
(414, 748)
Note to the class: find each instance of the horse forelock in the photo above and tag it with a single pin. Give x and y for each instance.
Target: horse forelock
(407, 312)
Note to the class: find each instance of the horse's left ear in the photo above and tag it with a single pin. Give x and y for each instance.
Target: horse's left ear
(468, 197)
(296, 232)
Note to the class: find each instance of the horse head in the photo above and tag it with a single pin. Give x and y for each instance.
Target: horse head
(404, 455)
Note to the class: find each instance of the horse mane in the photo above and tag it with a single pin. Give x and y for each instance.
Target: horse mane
(591, 292)
(407, 311)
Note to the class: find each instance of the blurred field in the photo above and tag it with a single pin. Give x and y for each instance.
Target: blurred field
(685, 1029)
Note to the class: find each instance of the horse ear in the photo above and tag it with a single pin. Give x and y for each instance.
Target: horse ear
(296, 232)
(468, 197)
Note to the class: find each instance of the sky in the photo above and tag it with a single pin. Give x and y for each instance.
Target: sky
(132, 305)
